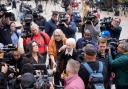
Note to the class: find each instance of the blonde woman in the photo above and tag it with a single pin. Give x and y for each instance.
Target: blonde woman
(57, 40)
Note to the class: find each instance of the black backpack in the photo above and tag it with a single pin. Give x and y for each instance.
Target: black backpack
(95, 78)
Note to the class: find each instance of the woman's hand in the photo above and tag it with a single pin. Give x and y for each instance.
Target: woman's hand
(62, 48)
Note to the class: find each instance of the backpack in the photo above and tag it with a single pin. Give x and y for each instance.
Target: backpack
(95, 78)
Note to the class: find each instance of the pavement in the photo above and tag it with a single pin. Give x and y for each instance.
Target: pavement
(50, 6)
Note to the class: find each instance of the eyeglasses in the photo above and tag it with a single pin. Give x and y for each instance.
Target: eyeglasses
(117, 21)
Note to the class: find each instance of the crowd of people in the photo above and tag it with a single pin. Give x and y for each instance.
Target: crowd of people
(97, 60)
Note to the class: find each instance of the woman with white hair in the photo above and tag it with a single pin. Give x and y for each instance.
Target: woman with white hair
(71, 77)
(63, 57)
(41, 38)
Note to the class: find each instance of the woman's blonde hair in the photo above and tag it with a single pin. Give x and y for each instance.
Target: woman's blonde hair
(60, 33)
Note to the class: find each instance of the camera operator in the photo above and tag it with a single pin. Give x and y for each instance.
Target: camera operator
(39, 20)
(68, 27)
(15, 59)
(91, 22)
(51, 25)
(4, 27)
(114, 28)
(3, 79)
(119, 65)
(27, 23)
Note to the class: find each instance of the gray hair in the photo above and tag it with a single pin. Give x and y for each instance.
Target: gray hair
(124, 45)
(74, 66)
(71, 41)
(60, 32)
(35, 26)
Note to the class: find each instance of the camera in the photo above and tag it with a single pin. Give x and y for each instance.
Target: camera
(105, 22)
(44, 78)
(62, 18)
(9, 47)
(26, 34)
(89, 19)
(7, 12)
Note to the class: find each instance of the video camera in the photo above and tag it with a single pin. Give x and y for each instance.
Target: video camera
(89, 19)
(9, 47)
(43, 79)
(105, 22)
(26, 34)
(7, 12)
(62, 18)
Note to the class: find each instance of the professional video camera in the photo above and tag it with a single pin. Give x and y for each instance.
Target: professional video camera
(113, 44)
(105, 22)
(7, 12)
(89, 19)
(44, 78)
(62, 18)
(9, 47)
(26, 34)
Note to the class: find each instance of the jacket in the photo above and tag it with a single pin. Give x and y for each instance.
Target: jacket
(50, 27)
(120, 65)
(70, 30)
(52, 47)
(74, 82)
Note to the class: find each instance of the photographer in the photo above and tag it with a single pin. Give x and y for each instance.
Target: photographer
(119, 64)
(4, 27)
(27, 23)
(15, 59)
(114, 28)
(68, 27)
(91, 22)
